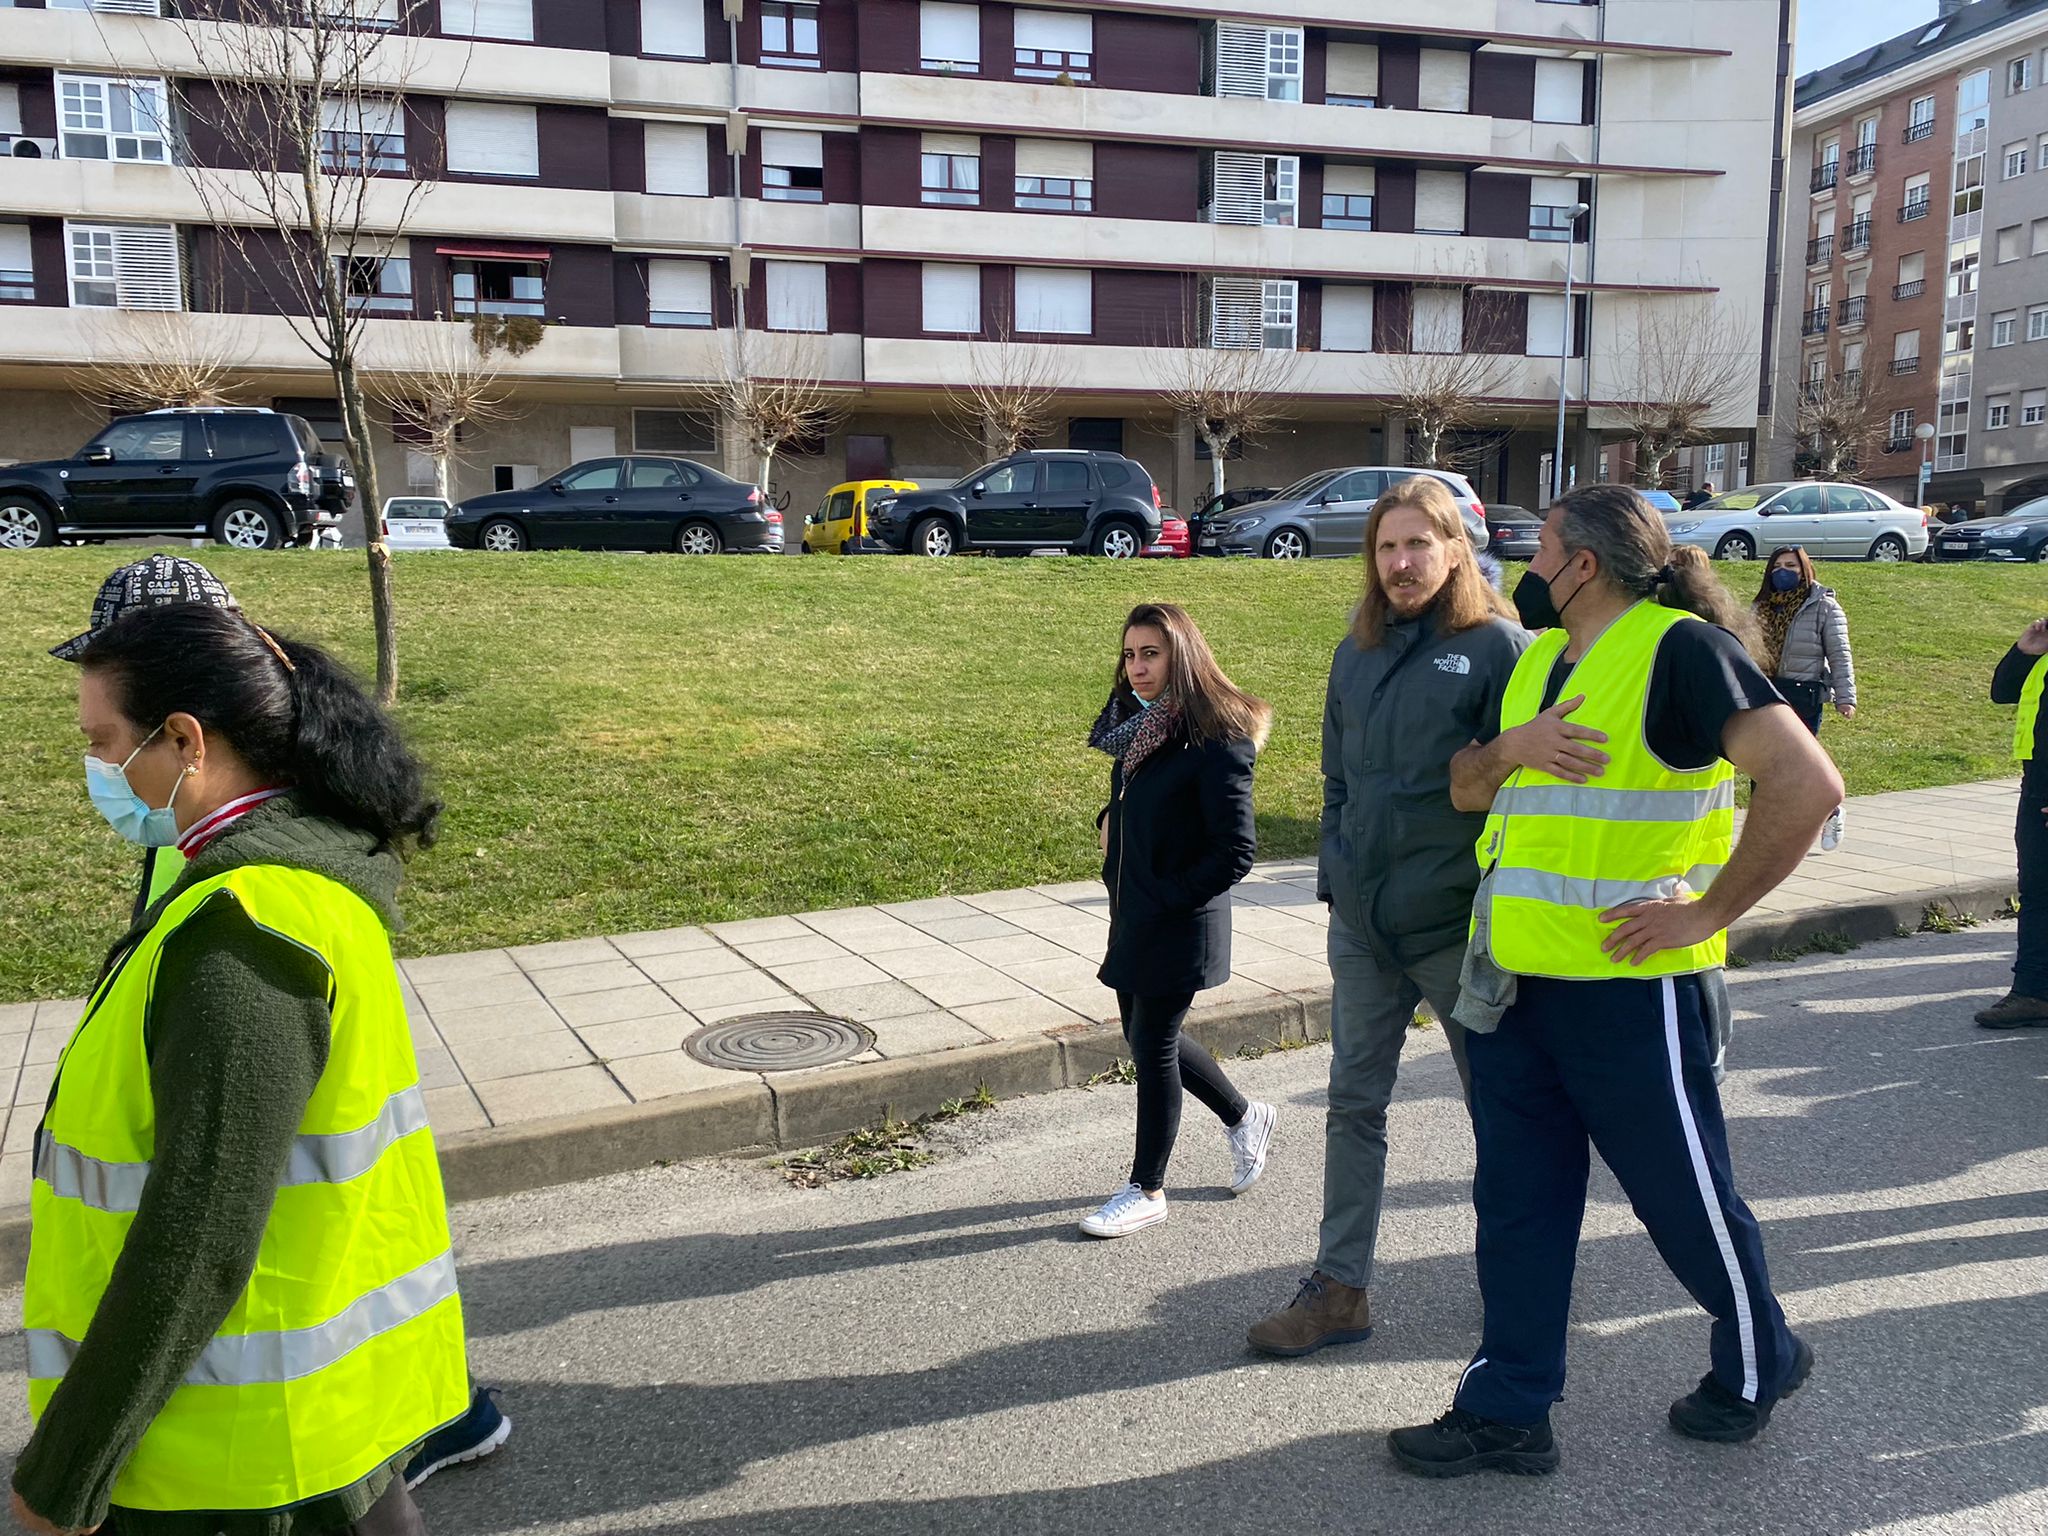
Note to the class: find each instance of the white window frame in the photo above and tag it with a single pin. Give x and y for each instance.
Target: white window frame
(676, 159)
(1997, 413)
(87, 106)
(951, 290)
(789, 150)
(2017, 156)
(2034, 407)
(949, 37)
(2037, 322)
(679, 293)
(141, 265)
(2005, 328)
(797, 296)
(506, 140)
(508, 21)
(1286, 53)
(1055, 301)
(1280, 313)
(1902, 424)
(2019, 74)
(676, 25)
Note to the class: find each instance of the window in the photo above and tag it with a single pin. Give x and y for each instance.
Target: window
(1439, 321)
(2005, 327)
(678, 159)
(124, 266)
(378, 283)
(488, 138)
(144, 439)
(1440, 202)
(949, 37)
(1051, 45)
(1920, 119)
(1969, 186)
(1257, 63)
(510, 19)
(1066, 477)
(359, 135)
(597, 475)
(1348, 195)
(1546, 336)
(1973, 103)
(2016, 158)
(2041, 154)
(1919, 197)
(2033, 407)
(107, 119)
(1352, 75)
(1056, 301)
(1906, 352)
(952, 299)
(1283, 191)
(789, 34)
(1254, 189)
(1280, 302)
(10, 107)
(2037, 323)
(656, 431)
(1551, 201)
(2011, 243)
(1998, 413)
(1962, 268)
(678, 293)
(660, 475)
(1012, 480)
(672, 28)
(792, 166)
(2040, 247)
(1055, 194)
(796, 296)
(1560, 91)
(1347, 317)
(1055, 175)
(1446, 82)
(1902, 426)
(485, 285)
(17, 269)
(2019, 75)
(514, 477)
(952, 170)
(1284, 52)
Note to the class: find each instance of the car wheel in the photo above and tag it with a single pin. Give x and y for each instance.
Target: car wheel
(1891, 549)
(1287, 544)
(25, 525)
(247, 525)
(1737, 546)
(1119, 541)
(2040, 554)
(934, 537)
(698, 539)
(503, 536)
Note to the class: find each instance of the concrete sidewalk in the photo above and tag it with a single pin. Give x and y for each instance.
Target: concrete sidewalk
(557, 1061)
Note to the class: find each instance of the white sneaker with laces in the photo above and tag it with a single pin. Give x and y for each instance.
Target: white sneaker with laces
(1128, 1210)
(1831, 831)
(1250, 1139)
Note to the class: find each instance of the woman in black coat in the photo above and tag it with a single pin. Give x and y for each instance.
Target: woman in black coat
(1177, 835)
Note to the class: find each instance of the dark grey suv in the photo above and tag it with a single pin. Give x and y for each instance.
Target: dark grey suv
(1086, 502)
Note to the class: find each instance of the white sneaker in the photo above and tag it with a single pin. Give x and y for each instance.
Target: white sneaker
(1250, 1139)
(1831, 831)
(1125, 1212)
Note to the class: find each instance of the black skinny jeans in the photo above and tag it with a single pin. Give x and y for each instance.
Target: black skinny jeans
(2030, 970)
(1166, 1061)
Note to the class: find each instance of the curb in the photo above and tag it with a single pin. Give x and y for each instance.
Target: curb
(802, 1109)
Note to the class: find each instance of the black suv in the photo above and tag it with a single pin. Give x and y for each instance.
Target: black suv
(252, 479)
(1087, 502)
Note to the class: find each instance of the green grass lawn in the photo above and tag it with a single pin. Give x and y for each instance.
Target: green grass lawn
(631, 743)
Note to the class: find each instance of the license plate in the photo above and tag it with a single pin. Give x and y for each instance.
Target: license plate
(1210, 543)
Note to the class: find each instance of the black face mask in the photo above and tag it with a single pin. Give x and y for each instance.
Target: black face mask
(1534, 605)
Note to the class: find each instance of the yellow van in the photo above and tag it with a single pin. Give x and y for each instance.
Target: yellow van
(840, 525)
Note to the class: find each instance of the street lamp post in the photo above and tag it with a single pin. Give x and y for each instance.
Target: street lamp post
(1564, 352)
(1925, 432)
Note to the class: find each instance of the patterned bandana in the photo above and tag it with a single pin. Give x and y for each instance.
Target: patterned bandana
(1774, 614)
(1129, 732)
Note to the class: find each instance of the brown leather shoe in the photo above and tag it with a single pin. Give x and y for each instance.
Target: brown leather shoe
(2015, 1012)
(1324, 1311)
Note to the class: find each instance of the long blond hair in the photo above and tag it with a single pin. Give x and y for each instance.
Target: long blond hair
(1467, 600)
(1214, 707)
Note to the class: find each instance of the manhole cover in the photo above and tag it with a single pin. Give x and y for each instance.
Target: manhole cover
(778, 1042)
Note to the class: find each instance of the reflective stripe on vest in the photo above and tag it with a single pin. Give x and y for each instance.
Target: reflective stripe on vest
(2028, 725)
(1558, 854)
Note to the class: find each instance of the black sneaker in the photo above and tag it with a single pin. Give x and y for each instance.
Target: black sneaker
(1462, 1442)
(1712, 1412)
(2015, 1011)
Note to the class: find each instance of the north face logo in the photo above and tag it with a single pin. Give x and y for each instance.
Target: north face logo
(1458, 666)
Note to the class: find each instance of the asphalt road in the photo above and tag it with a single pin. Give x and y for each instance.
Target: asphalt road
(701, 1349)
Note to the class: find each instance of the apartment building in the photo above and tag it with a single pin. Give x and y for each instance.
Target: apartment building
(909, 190)
(1925, 208)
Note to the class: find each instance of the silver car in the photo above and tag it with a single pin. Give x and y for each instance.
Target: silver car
(1828, 519)
(415, 522)
(1323, 516)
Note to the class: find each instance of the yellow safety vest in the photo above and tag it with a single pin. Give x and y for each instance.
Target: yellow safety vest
(346, 1346)
(164, 866)
(2030, 711)
(1559, 854)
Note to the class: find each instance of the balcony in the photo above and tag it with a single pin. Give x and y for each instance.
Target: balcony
(1820, 250)
(1811, 391)
(1915, 132)
(1863, 161)
(1858, 237)
(1904, 291)
(1897, 444)
(1815, 322)
(1855, 313)
(1825, 176)
(1852, 383)
(1918, 209)
(1901, 366)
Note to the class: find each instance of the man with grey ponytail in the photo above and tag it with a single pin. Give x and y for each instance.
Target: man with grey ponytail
(1609, 879)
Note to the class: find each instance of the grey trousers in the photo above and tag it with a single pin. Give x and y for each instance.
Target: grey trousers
(1370, 1012)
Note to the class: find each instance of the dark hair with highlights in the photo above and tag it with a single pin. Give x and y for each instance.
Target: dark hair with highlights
(1215, 708)
(292, 712)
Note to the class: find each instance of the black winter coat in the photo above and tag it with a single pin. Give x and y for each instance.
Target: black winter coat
(1180, 836)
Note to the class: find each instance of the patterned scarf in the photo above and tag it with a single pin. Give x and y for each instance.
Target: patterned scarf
(1129, 732)
(1774, 615)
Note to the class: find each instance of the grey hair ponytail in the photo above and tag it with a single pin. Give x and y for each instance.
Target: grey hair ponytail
(1628, 537)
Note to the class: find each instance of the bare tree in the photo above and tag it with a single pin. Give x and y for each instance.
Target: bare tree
(145, 360)
(1008, 401)
(1448, 384)
(1836, 424)
(1691, 363)
(771, 389)
(445, 385)
(1221, 377)
(309, 99)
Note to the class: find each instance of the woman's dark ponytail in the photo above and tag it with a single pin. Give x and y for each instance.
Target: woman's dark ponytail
(290, 710)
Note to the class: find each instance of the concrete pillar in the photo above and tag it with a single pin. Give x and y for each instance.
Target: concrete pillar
(1394, 436)
(1582, 453)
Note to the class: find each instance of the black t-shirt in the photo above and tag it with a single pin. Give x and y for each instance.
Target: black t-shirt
(1702, 678)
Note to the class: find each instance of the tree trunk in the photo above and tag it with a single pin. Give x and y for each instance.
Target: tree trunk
(441, 475)
(767, 469)
(383, 617)
(1218, 470)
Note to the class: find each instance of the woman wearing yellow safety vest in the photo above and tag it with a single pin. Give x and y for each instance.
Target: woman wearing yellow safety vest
(240, 1311)
(2022, 679)
(1599, 930)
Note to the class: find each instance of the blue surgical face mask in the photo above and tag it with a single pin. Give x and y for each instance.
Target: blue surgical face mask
(126, 811)
(1783, 580)
(1143, 702)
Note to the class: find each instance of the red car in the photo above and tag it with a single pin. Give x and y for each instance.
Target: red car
(1173, 539)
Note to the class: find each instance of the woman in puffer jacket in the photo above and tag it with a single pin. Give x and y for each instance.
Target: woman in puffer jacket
(1806, 648)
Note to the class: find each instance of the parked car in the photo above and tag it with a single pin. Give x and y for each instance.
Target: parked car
(1511, 532)
(1082, 500)
(2021, 534)
(641, 502)
(1214, 511)
(1830, 520)
(253, 479)
(1173, 539)
(416, 522)
(1324, 514)
(840, 525)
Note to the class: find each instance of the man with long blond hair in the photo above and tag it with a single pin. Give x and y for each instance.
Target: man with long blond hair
(1424, 668)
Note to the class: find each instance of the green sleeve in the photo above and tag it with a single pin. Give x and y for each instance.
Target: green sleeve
(237, 1036)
